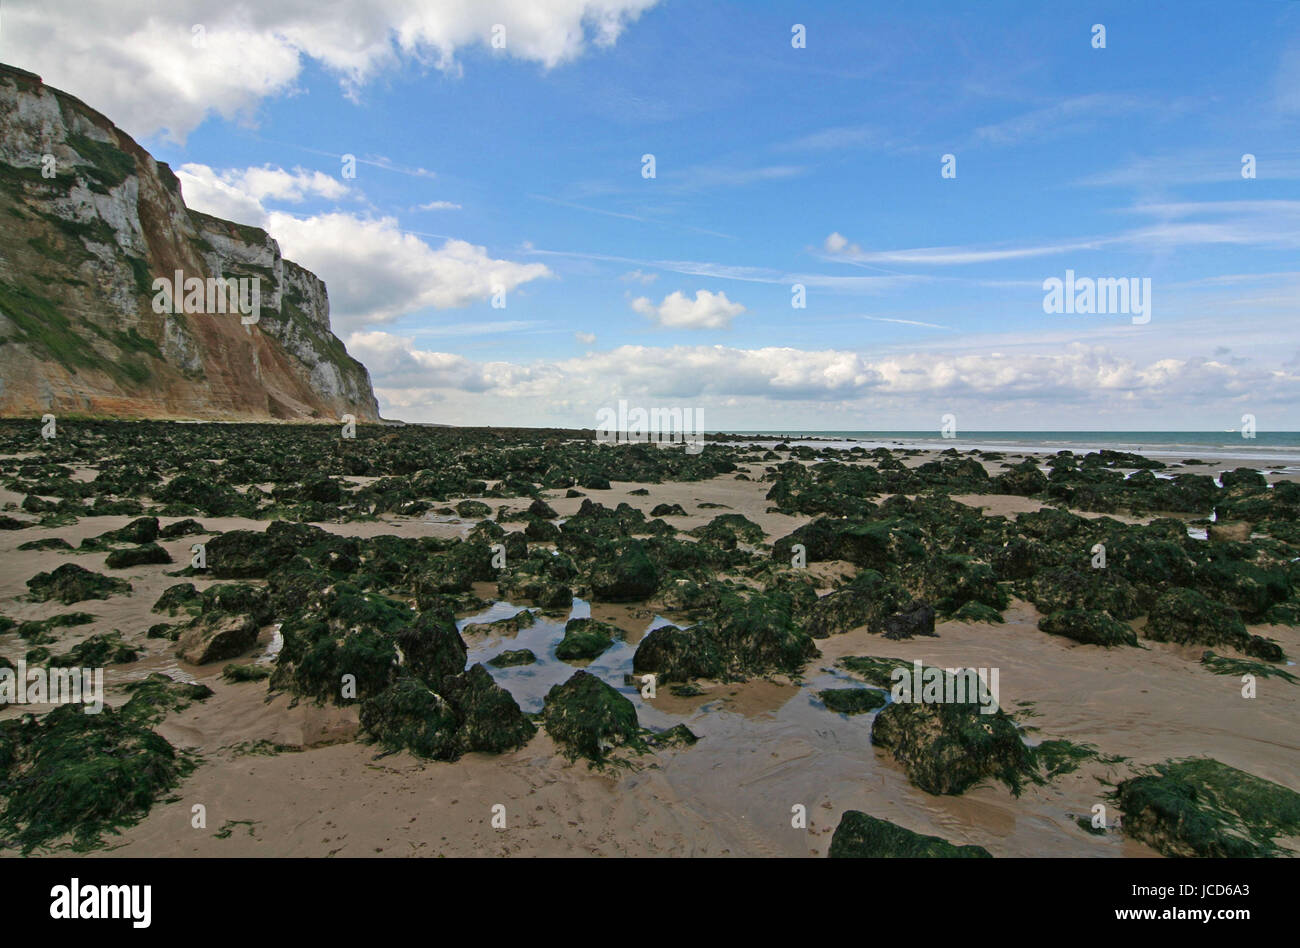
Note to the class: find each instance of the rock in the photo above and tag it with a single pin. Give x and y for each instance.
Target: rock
(860, 836)
(523, 619)
(1201, 807)
(1242, 477)
(1089, 626)
(917, 619)
(409, 715)
(1229, 532)
(145, 554)
(431, 647)
(78, 775)
(1257, 646)
(141, 530)
(177, 598)
(473, 510)
(490, 719)
(1187, 617)
(71, 583)
(240, 554)
(586, 639)
(587, 718)
(542, 510)
(182, 528)
(679, 735)
(216, 637)
(949, 747)
(867, 601)
(853, 700)
(513, 657)
(631, 577)
(673, 654)
(1065, 587)
(668, 510)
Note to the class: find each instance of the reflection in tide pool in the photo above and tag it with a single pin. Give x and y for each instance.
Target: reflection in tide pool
(530, 683)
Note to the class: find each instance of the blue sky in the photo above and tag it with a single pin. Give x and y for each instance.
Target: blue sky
(774, 166)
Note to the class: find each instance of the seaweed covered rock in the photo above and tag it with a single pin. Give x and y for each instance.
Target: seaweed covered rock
(146, 554)
(866, 601)
(585, 639)
(743, 636)
(97, 651)
(409, 715)
(673, 654)
(1089, 626)
(852, 700)
(587, 718)
(950, 581)
(729, 529)
(512, 658)
(630, 577)
(1065, 587)
(510, 625)
(73, 775)
(916, 619)
(1023, 479)
(182, 528)
(182, 597)
(470, 712)
(141, 530)
(431, 647)
(1187, 617)
(947, 747)
(1201, 807)
(72, 583)
(154, 696)
(860, 836)
(341, 632)
(541, 578)
(490, 719)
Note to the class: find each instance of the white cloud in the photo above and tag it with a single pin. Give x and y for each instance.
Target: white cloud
(238, 195)
(439, 206)
(636, 276)
(136, 60)
(1088, 378)
(586, 338)
(707, 311)
(837, 242)
(375, 272)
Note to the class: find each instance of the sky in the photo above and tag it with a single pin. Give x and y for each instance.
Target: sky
(503, 256)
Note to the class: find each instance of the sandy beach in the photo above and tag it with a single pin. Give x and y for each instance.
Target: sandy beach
(290, 778)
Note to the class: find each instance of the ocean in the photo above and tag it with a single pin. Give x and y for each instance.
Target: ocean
(1277, 446)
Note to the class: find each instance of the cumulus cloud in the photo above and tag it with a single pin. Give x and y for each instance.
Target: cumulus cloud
(238, 195)
(144, 64)
(707, 311)
(376, 273)
(586, 338)
(1091, 378)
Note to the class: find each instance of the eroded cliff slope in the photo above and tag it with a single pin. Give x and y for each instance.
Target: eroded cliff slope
(88, 220)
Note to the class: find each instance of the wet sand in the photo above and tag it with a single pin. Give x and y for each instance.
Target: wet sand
(765, 746)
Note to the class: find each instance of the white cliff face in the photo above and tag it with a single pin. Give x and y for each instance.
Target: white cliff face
(78, 255)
